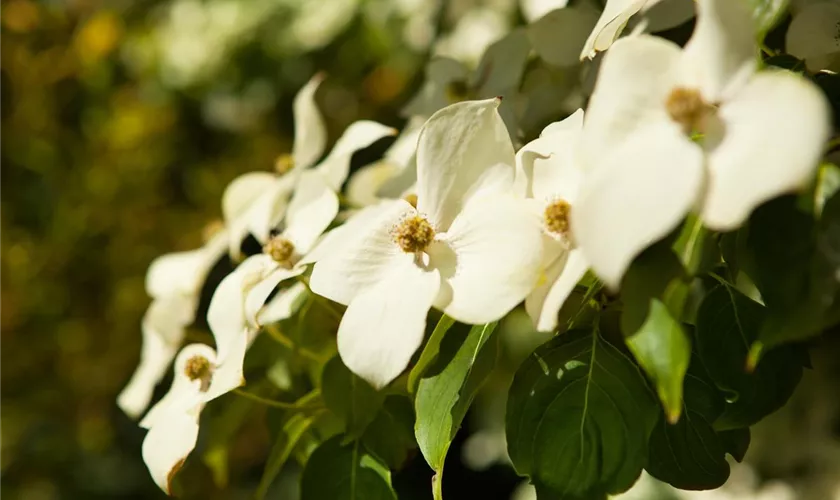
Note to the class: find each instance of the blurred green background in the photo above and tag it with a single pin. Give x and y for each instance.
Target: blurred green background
(122, 122)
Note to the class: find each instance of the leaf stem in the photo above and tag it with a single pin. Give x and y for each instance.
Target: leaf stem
(285, 341)
(302, 404)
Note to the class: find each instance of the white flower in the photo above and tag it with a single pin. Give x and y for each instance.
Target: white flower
(255, 202)
(659, 15)
(238, 301)
(201, 375)
(469, 248)
(756, 135)
(174, 282)
(549, 171)
(390, 177)
(813, 36)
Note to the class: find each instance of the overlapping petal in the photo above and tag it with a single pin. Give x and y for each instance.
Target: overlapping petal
(385, 322)
(774, 130)
(721, 54)
(636, 196)
(359, 135)
(361, 253)
(310, 131)
(558, 281)
(636, 76)
(464, 149)
(489, 259)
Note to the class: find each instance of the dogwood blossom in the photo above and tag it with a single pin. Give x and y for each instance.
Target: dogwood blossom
(237, 302)
(255, 202)
(549, 171)
(174, 282)
(659, 15)
(813, 36)
(201, 375)
(469, 247)
(670, 130)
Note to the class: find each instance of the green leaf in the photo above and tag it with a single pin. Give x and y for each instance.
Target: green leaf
(696, 246)
(690, 455)
(663, 350)
(579, 415)
(293, 430)
(446, 391)
(736, 442)
(793, 260)
(766, 13)
(558, 37)
(728, 322)
(430, 352)
(349, 397)
(391, 435)
(221, 424)
(344, 472)
(648, 278)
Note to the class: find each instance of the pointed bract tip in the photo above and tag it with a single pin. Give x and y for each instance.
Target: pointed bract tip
(674, 416)
(319, 76)
(754, 356)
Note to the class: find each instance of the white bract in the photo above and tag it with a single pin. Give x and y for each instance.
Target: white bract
(470, 247)
(549, 171)
(237, 303)
(201, 375)
(255, 202)
(659, 15)
(814, 35)
(390, 177)
(671, 130)
(174, 282)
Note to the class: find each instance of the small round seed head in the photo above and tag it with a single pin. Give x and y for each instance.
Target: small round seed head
(411, 198)
(284, 163)
(414, 234)
(281, 251)
(199, 368)
(687, 107)
(556, 217)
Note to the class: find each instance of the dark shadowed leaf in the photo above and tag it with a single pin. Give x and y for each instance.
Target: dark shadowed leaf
(728, 322)
(349, 397)
(344, 472)
(391, 434)
(579, 415)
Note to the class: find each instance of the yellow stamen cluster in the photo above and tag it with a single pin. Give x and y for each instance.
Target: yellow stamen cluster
(199, 368)
(284, 163)
(556, 217)
(414, 234)
(281, 251)
(687, 108)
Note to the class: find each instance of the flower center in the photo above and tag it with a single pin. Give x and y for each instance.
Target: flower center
(556, 217)
(414, 234)
(411, 198)
(281, 251)
(687, 108)
(199, 368)
(284, 164)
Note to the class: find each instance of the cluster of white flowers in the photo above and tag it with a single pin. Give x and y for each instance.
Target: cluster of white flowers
(456, 219)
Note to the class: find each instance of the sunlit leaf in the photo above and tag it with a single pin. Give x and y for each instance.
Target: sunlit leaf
(446, 391)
